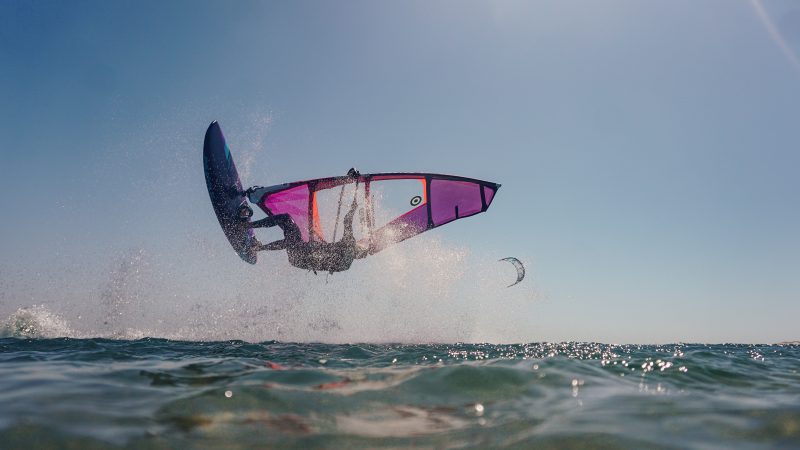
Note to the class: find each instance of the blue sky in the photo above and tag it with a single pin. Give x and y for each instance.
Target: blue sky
(647, 151)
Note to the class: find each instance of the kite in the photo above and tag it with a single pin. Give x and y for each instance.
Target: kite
(519, 266)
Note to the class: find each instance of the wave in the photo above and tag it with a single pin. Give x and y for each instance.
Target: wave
(35, 322)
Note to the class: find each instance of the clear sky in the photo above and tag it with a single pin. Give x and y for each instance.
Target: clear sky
(648, 151)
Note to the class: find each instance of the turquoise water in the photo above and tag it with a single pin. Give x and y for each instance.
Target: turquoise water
(155, 393)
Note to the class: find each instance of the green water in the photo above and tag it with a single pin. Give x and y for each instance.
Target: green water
(154, 393)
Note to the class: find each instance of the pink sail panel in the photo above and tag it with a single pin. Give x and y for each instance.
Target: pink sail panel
(451, 200)
(489, 194)
(294, 202)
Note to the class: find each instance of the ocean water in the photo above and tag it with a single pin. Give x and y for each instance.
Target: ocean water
(158, 393)
(183, 346)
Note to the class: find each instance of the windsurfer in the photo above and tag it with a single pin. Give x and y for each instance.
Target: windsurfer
(316, 255)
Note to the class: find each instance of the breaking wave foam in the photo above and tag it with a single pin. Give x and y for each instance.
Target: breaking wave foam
(35, 322)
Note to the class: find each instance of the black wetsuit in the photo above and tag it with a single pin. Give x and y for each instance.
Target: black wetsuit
(316, 255)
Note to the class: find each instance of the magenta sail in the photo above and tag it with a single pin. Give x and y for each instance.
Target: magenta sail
(391, 207)
(451, 200)
(292, 201)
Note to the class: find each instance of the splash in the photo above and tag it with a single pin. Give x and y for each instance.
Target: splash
(124, 292)
(35, 322)
(254, 138)
(420, 291)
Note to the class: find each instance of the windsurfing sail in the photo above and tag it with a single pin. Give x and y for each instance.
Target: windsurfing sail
(391, 207)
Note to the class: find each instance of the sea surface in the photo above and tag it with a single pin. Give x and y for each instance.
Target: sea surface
(157, 393)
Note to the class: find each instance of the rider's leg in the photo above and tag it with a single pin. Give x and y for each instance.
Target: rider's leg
(270, 221)
(291, 232)
(274, 245)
